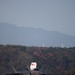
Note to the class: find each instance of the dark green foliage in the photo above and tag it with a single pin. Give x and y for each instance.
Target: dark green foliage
(51, 60)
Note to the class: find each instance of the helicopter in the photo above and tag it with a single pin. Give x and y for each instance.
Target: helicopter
(32, 70)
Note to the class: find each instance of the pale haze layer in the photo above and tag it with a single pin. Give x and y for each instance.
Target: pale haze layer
(52, 15)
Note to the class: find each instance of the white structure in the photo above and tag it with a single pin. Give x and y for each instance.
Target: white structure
(62, 45)
(33, 66)
(43, 45)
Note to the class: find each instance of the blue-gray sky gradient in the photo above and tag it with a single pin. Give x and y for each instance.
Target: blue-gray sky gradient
(52, 15)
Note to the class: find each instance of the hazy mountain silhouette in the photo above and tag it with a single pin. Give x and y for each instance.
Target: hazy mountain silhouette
(12, 34)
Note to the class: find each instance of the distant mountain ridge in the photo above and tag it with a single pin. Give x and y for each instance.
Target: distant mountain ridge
(12, 34)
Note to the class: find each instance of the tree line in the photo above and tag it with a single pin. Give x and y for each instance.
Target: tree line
(50, 60)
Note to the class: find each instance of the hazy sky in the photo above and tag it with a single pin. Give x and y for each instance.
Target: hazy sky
(52, 15)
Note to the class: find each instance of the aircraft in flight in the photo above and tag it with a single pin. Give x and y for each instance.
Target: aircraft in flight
(32, 70)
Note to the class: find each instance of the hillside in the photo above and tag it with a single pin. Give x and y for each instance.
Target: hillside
(12, 34)
(50, 60)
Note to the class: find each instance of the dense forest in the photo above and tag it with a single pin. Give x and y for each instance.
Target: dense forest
(50, 60)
